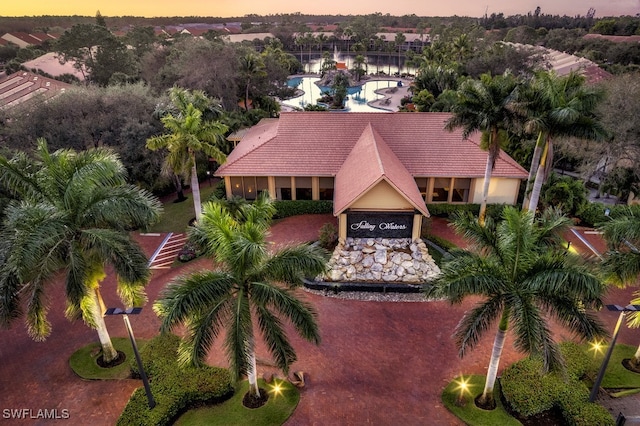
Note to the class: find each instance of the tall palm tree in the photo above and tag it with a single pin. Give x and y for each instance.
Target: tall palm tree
(556, 106)
(622, 261)
(485, 105)
(251, 67)
(398, 42)
(524, 276)
(72, 214)
(251, 288)
(189, 133)
(359, 64)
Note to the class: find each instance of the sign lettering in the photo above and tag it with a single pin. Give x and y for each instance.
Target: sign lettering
(379, 225)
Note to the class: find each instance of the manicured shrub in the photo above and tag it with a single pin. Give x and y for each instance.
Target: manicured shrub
(575, 360)
(576, 409)
(328, 236)
(448, 210)
(526, 389)
(529, 392)
(592, 214)
(174, 388)
(286, 208)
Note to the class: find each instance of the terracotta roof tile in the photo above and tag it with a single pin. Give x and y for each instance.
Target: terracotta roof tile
(369, 162)
(317, 144)
(23, 86)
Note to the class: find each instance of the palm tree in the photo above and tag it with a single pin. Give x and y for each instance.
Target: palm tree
(622, 262)
(556, 106)
(189, 133)
(251, 67)
(359, 64)
(245, 291)
(524, 276)
(486, 105)
(397, 43)
(72, 214)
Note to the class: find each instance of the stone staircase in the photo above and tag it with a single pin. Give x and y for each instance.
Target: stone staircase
(167, 251)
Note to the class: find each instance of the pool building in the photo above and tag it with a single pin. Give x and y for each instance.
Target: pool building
(380, 170)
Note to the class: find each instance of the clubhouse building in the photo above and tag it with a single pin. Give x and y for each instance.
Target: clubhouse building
(379, 169)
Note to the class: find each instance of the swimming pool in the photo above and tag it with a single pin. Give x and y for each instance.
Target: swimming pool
(358, 96)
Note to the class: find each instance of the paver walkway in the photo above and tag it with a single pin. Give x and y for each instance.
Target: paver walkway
(379, 363)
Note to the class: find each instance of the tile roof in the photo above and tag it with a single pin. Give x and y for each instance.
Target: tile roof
(22, 86)
(614, 38)
(50, 64)
(370, 162)
(318, 143)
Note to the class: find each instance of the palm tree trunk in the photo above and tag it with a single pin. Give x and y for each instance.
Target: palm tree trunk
(178, 183)
(486, 399)
(252, 374)
(485, 190)
(195, 190)
(535, 160)
(109, 353)
(537, 185)
(636, 358)
(246, 96)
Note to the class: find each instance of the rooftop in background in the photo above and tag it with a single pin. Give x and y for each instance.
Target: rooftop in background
(24, 86)
(564, 63)
(50, 64)
(23, 40)
(614, 38)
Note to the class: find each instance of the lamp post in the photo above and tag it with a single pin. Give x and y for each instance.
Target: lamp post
(623, 310)
(125, 316)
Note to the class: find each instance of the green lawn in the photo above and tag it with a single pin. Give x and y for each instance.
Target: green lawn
(83, 361)
(176, 216)
(467, 411)
(231, 412)
(616, 376)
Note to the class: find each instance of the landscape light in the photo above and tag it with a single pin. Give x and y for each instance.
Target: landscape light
(125, 317)
(605, 361)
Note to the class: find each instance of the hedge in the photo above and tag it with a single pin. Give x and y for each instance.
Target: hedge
(529, 392)
(174, 388)
(286, 208)
(447, 210)
(593, 214)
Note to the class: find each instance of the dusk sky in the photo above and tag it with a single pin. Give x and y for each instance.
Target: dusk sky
(231, 8)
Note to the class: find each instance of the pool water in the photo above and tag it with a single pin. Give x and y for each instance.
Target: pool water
(357, 97)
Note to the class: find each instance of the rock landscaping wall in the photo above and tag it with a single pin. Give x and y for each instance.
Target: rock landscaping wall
(381, 259)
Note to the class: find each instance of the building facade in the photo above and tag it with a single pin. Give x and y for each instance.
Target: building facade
(379, 169)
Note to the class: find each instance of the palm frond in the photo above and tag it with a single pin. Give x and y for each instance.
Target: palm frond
(197, 292)
(302, 315)
(10, 308)
(37, 325)
(532, 333)
(276, 339)
(468, 274)
(292, 264)
(476, 322)
(571, 314)
(203, 327)
(240, 339)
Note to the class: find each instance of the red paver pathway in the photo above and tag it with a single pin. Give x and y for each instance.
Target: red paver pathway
(379, 363)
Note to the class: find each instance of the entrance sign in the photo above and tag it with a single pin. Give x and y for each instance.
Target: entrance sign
(379, 225)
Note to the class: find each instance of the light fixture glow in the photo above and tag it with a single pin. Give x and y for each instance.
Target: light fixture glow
(276, 388)
(597, 347)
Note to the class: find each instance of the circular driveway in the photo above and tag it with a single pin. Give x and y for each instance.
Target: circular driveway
(380, 363)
